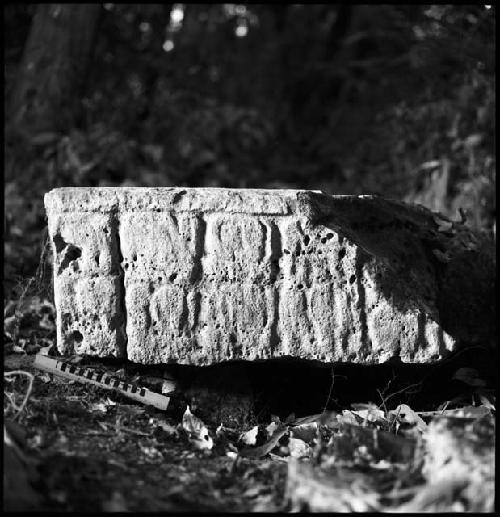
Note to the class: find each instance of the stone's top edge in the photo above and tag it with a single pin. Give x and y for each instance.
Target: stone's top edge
(180, 199)
(138, 190)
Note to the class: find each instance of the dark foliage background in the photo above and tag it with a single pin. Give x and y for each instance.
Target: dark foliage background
(396, 100)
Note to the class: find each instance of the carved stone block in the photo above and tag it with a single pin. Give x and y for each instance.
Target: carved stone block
(199, 276)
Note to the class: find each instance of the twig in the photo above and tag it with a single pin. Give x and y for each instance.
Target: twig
(10, 396)
(28, 392)
(384, 400)
(382, 393)
(18, 308)
(330, 391)
(257, 452)
(131, 431)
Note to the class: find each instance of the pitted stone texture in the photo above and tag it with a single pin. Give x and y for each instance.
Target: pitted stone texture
(200, 276)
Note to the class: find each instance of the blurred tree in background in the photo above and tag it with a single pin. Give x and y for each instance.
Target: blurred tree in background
(51, 76)
(396, 100)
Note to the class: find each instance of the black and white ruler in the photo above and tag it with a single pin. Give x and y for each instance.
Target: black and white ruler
(103, 380)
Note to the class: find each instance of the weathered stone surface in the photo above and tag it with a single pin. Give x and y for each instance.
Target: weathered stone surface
(199, 276)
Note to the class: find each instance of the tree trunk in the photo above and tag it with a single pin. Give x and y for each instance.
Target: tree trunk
(54, 66)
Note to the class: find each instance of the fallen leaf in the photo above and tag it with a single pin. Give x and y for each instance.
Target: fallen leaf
(197, 430)
(204, 443)
(191, 423)
(253, 491)
(168, 386)
(307, 419)
(150, 452)
(271, 428)
(46, 350)
(306, 432)
(444, 225)
(349, 417)
(298, 448)
(469, 376)
(330, 419)
(250, 437)
(406, 415)
(169, 429)
(98, 407)
(369, 413)
(120, 373)
(268, 446)
(487, 401)
(381, 465)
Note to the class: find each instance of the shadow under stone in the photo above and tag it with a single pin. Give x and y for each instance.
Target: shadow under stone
(242, 393)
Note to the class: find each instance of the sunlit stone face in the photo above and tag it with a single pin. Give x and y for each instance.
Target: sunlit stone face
(199, 276)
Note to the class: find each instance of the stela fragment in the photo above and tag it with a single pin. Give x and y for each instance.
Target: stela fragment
(200, 276)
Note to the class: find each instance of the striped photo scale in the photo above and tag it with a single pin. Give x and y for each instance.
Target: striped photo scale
(86, 375)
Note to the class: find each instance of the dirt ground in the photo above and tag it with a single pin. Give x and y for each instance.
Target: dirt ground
(85, 448)
(95, 450)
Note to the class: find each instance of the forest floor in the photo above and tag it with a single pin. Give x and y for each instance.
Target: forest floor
(79, 447)
(96, 451)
